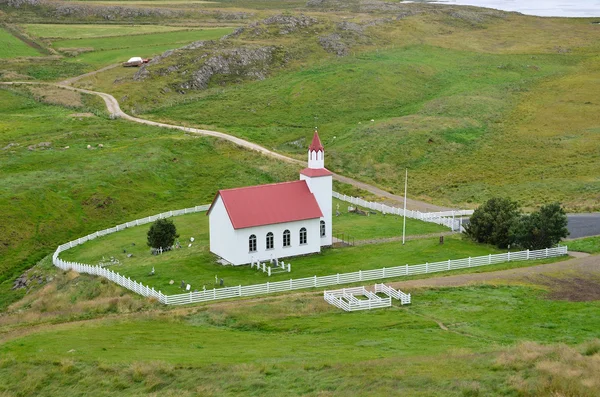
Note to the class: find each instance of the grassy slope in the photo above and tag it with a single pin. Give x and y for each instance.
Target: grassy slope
(11, 47)
(452, 106)
(302, 346)
(48, 196)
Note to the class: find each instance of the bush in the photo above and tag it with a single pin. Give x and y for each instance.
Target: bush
(542, 229)
(491, 223)
(162, 234)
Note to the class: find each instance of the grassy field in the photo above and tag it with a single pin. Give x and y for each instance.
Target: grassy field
(50, 194)
(107, 50)
(197, 266)
(590, 245)
(75, 31)
(495, 340)
(12, 47)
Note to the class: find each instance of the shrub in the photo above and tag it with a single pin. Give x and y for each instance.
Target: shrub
(162, 234)
(491, 223)
(542, 229)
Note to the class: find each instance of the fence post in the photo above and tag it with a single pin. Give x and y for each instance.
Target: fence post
(360, 275)
(338, 278)
(469, 265)
(315, 280)
(240, 290)
(490, 259)
(448, 264)
(508, 257)
(383, 273)
(268, 287)
(546, 252)
(191, 301)
(406, 272)
(527, 253)
(426, 267)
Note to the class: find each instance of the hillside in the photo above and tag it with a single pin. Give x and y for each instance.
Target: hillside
(475, 103)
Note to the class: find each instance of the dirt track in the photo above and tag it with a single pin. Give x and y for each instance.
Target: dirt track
(587, 266)
(114, 109)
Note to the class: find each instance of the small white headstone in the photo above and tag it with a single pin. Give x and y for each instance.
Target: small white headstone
(187, 288)
(192, 239)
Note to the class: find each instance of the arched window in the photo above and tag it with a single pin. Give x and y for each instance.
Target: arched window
(322, 228)
(303, 235)
(270, 241)
(287, 241)
(252, 243)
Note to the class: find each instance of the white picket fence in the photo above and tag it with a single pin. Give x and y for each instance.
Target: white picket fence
(393, 293)
(445, 218)
(346, 299)
(302, 283)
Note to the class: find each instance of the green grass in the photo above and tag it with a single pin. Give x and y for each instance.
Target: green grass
(590, 245)
(107, 50)
(75, 31)
(177, 39)
(376, 225)
(197, 266)
(301, 346)
(445, 99)
(440, 112)
(49, 196)
(12, 47)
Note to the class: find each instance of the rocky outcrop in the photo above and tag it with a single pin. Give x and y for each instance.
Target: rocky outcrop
(333, 43)
(289, 23)
(243, 63)
(253, 63)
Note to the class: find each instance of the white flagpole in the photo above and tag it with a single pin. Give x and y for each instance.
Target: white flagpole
(404, 222)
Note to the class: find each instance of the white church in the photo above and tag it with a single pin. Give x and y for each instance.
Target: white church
(279, 220)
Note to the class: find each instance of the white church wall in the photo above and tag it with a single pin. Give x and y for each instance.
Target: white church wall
(243, 256)
(222, 233)
(322, 188)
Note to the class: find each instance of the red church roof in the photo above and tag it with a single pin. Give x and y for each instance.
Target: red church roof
(269, 204)
(316, 144)
(315, 172)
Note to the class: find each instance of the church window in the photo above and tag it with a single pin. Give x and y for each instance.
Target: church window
(303, 235)
(287, 241)
(270, 241)
(322, 228)
(252, 243)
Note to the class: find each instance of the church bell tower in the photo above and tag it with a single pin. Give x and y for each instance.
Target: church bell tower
(320, 182)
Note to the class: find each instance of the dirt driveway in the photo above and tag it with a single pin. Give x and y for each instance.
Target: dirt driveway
(584, 268)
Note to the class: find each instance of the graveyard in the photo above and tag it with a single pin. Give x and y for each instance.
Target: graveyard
(195, 265)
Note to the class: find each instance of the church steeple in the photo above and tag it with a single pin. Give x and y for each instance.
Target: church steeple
(316, 153)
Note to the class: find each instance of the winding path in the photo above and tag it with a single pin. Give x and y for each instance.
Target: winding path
(114, 109)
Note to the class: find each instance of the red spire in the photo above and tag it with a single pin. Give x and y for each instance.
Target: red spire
(316, 144)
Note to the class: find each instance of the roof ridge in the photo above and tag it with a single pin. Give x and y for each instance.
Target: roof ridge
(260, 186)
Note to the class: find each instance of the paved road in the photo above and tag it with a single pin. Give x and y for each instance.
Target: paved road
(115, 110)
(582, 225)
